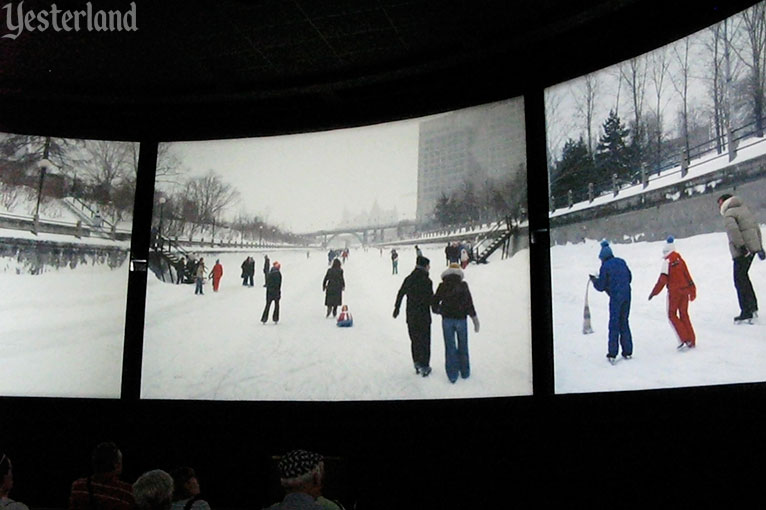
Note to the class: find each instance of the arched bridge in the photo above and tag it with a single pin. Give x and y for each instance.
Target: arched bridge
(368, 234)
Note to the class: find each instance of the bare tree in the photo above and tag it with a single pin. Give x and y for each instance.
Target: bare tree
(659, 65)
(211, 197)
(633, 73)
(585, 101)
(716, 49)
(107, 163)
(168, 165)
(681, 52)
(754, 21)
(556, 129)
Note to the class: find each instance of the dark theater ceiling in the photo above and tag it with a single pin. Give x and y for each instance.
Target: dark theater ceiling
(229, 67)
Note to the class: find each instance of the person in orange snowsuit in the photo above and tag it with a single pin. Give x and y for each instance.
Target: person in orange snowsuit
(681, 289)
(216, 274)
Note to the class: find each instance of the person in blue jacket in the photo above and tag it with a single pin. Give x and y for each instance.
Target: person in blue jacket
(614, 278)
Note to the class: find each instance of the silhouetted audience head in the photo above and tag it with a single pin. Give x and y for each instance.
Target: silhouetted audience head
(6, 475)
(153, 490)
(106, 459)
(185, 483)
(6, 484)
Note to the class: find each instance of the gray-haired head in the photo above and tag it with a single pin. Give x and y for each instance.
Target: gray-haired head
(153, 490)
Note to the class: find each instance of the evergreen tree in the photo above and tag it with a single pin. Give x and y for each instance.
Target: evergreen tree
(574, 171)
(613, 156)
(442, 211)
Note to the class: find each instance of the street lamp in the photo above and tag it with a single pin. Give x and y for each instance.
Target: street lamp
(260, 235)
(162, 206)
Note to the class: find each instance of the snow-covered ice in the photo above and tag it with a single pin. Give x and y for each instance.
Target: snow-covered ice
(725, 352)
(214, 346)
(61, 332)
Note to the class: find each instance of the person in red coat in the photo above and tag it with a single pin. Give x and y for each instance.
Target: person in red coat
(216, 274)
(681, 289)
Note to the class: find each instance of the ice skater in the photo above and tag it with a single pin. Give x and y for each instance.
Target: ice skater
(248, 270)
(200, 276)
(681, 290)
(745, 242)
(216, 274)
(419, 289)
(266, 268)
(614, 278)
(333, 286)
(180, 265)
(394, 262)
(273, 292)
(452, 300)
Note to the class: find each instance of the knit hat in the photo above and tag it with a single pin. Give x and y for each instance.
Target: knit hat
(297, 463)
(606, 251)
(422, 261)
(669, 246)
(724, 197)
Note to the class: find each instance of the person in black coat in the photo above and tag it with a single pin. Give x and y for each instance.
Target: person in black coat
(333, 285)
(419, 291)
(180, 267)
(273, 292)
(245, 271)
(453, 301)
(266, 268)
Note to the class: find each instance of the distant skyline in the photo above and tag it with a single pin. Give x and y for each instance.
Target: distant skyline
(303, 182)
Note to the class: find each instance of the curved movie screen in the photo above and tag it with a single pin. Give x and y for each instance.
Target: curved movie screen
(367, 201)
(639, 155)
(66, 210)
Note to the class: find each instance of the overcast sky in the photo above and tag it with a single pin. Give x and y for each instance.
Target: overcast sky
(303, 182)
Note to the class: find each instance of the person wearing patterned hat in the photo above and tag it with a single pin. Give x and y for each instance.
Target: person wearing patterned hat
(301, 474)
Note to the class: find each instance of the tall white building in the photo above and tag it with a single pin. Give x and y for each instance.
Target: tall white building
(482, 143)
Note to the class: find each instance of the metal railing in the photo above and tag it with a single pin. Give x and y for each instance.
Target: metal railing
(680, 161)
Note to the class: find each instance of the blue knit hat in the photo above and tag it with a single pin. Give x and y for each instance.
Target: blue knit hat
(669, 246)
(606, 251)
